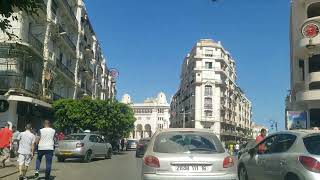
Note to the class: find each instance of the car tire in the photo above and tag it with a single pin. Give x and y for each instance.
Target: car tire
(87, 157)
(242, 173)
(291, 176)
(61, 159)
(109, 154)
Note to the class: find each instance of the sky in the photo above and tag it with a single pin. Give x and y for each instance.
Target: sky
(147, 40)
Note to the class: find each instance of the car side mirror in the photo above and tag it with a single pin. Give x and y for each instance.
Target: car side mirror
(253, 151)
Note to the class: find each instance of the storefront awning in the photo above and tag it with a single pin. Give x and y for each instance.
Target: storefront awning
(28, 99)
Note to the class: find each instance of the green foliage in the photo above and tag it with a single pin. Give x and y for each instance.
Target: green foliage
(8, 7)
(112, 119)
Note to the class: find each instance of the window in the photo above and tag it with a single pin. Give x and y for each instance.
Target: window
(160, 110)
(312, 144)
(93, 138)
(314, 117)
(208, 103)
(208, 113)
(283, 143)
(208, 53)
(301, 69)
(182, 142)
(314, 85)
(208, 65)
(314, 63)
(265, 146)
(75, 137)
(314, 10)
(208, 90)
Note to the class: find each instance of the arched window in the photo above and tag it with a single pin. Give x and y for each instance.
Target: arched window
(313, 10)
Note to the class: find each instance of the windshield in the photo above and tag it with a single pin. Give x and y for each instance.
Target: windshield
(75, 137)
(185, 142)
(312, 144)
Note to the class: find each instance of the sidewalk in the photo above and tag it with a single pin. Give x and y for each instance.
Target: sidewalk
(10, 169)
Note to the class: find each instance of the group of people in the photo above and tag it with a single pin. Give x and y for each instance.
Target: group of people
(26, 144)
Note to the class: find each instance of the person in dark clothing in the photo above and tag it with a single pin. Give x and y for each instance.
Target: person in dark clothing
(122, 144)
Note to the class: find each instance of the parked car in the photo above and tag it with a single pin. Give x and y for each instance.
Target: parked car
(187, 154)
(245, 147)
(286, 155)
(131, 144)
(142, 146)
(83, 145)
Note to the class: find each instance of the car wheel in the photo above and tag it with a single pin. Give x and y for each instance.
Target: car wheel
(291, 176)
(109, 154)
(61, 159)
(88, 156)
(243, 175)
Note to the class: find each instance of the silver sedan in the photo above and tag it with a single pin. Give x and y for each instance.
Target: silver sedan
(83, 145)
(187, 154)
(286, 155)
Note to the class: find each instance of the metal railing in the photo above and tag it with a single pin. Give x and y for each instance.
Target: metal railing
(17, 81)
(35, 43)
(64, 69)
(69, 9)
(67, 38)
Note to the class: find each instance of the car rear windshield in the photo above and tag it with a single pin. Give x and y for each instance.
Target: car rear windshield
(312, 144)
(131, 141)
(187, 142)
(77, 137)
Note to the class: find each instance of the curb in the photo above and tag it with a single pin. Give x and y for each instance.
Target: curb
(9, 174)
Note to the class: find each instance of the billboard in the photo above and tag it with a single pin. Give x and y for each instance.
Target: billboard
(296, 120)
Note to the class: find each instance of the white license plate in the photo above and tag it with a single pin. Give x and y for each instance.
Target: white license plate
(191, 168)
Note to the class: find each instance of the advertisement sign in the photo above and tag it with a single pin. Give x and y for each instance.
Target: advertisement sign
(296, 120)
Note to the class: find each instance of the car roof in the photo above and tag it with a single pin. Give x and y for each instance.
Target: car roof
(298, 132)
(84, 134)
(184, 129)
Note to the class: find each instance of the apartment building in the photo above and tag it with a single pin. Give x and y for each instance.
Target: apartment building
(303, 101)
(208, 96)
(151, 115)
(52, 55)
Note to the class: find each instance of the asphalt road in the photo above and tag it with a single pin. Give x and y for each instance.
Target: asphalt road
(123, 166)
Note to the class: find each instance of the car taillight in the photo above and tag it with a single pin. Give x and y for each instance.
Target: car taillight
(151, 161)
(310, 163)
(228, 162)
(78, 145)
(310, 30)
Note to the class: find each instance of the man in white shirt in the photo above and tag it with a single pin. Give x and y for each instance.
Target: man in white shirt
(26, 142)
(45, 148)
(236, 148)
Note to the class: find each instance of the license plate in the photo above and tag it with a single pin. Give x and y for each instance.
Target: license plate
(66, 153)
(191, 168)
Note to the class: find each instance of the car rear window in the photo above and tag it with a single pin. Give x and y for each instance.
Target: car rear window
(75, 137)
(187, 142)
(312, 144)
(131, 141)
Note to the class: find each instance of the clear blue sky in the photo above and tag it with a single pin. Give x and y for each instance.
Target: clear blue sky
(146, 40)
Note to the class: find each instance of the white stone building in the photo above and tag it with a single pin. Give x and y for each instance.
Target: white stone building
(304, 93)
(151, 115)
(53, 55)
(208, 96)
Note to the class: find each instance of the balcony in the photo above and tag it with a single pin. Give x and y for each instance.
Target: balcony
(313, 95)
(67, 39)
(20, 83)
(69, 10)
(64, 69)
(35, 43)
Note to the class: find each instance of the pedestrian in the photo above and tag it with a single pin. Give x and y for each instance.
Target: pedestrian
(122, 144)
(45, 148)
(262, 147)
(60, 136)
(26, 150)
(5, 144)
(236, 148)
(15, 135)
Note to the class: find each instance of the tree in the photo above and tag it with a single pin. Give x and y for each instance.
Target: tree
(7, 9)
(113, 119)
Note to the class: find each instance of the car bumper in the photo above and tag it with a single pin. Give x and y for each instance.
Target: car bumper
(70, 153)
(193, 177)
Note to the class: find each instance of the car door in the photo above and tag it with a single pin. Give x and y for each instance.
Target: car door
(102, 146)
(276, 160)
(257, 162)
(93, 144)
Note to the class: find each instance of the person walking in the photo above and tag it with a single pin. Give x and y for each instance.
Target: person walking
(45, 148)
(26, 142)
(263, 133)
(236, 148)
(15, 135)
(5, 144)
(122, 144)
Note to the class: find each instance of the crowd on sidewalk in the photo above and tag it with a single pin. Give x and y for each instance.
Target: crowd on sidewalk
(24, 145)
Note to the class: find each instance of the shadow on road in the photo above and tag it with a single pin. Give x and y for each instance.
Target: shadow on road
(33, 177)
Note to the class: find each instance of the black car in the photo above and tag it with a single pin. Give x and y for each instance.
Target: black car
(142, 146)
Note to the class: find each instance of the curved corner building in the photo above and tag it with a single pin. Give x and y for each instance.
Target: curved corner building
(304, 94)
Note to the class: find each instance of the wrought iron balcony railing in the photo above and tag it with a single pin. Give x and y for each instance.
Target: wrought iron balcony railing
(64, 69)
